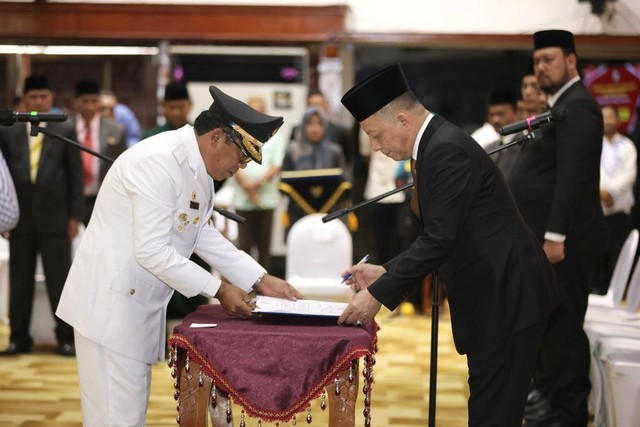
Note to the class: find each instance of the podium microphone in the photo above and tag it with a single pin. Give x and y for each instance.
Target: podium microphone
(556, 114)
(8, 117)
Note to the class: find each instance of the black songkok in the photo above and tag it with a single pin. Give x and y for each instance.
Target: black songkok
(176, 91)
(554, 38)
(503, 96)
(371, 94)
(87, 87)
(35, 83)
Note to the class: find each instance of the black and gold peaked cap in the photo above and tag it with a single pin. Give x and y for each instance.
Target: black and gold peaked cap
(254, 127)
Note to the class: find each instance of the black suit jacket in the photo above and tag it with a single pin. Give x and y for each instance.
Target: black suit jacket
(46, 205)
(113, 141)
(497, 278)
(556, 180)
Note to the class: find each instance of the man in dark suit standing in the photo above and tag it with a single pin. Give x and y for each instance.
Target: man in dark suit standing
(502, 111)
(48, 177)
(555, 183)
(98, 133)
(500, 286)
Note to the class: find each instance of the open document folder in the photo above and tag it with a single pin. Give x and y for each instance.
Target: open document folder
(303, 307)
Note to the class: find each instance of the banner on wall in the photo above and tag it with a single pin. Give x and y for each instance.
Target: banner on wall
(619, 86)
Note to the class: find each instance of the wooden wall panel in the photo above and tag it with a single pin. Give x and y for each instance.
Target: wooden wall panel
(170, 22)
(601, 46)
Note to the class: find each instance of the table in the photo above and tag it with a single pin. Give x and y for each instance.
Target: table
(271, 366)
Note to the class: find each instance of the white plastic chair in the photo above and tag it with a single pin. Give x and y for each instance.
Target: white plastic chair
(605, 322)
(621, 360)
(620, 276)
(597, 334)
(317, 254)
(633, 295)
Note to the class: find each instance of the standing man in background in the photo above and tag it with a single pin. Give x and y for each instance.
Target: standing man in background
(98, 133)
(502, 111)
(534, 100)
(617, 177)
(48, 178)
(122, 114)
(175, 108)
(555, 183)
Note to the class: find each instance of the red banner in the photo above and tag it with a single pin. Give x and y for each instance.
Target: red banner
(619, 86)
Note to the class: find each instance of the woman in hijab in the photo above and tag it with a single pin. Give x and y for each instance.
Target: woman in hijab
(311, 151)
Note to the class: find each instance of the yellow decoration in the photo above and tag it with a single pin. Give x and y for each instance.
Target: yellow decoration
(407, 309)
(352, 222)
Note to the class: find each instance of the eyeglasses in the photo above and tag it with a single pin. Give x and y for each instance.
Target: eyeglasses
(245, 157)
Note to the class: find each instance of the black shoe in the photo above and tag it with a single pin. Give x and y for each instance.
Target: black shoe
(15, 348)
(66, 349)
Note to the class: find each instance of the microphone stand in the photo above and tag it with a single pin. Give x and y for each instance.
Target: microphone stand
(35, 128)
(535, 135)
(435, 314)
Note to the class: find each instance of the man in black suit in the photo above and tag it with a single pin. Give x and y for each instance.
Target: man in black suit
(48, 177)
(502, 111)
(98, 133)
(555, 183)
(500, 286)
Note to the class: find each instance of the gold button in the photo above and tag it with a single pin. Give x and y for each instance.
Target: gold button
(132, 291)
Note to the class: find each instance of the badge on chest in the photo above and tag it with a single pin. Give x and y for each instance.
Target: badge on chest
(184, 218)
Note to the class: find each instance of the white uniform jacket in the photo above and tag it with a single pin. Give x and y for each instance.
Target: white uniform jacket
(151, 214)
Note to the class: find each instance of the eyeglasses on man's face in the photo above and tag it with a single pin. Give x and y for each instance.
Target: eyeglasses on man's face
(244, 155)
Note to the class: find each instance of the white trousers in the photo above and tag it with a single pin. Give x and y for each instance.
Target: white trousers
(114, 389)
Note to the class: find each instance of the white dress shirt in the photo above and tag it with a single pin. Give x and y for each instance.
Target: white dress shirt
(618, 172)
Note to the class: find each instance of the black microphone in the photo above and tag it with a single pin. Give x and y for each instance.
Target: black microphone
(556, 114)
(8, 117)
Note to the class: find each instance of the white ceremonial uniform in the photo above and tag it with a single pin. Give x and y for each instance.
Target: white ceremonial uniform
(151, 214)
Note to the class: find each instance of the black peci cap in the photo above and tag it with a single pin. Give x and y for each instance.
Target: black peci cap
(554, 38)
(87, 87)
(254, 127)
(35, 83)
(371, 94)
(503, 96)
(176, 91)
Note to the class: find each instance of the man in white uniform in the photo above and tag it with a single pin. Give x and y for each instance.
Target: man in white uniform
(151, 214)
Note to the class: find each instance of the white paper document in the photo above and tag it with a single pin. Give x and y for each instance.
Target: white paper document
(303, 307)
(203, 325)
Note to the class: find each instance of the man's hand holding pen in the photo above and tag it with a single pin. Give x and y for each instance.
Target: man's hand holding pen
(363, 306)
(360, 276)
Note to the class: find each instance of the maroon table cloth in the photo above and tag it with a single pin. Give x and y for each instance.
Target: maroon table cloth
(272, 366)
